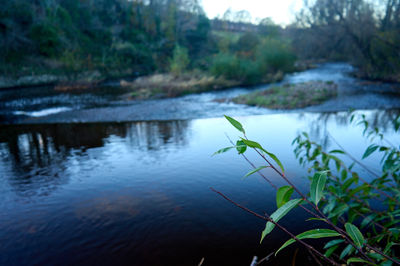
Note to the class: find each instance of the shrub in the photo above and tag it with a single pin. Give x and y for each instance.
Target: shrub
(274, 55)
(179, 61)
(234, 68)
(46, 38)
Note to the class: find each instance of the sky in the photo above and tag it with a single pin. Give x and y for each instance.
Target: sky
(281, 11)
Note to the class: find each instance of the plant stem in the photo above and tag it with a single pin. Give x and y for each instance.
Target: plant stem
(267, 218)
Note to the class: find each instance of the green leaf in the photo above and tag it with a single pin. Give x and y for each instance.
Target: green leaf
(375, 256)
(276, 160)
(333, 243)
(235, 123)
(337, 151)
(223, 150)
(346, 251)
(370, 150)
(330, 250)
(316, 219)
(252, 144)
(348, 182)
(357, 189)
(256, 145)
(315, 233)
(241, 147)
(388, 247)
(283, 195)
(367, 220)
(358, 260)
(279, 214)
(317, 186)
(255, 171)
(355, 234)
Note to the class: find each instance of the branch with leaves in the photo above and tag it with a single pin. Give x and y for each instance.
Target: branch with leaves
(339, 202)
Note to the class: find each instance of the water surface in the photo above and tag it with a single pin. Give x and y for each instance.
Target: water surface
(79, 187)
(138, 193)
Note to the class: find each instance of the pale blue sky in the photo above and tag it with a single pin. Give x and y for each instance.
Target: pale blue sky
(281, 11)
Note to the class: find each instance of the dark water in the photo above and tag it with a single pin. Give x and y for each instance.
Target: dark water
(137, 193)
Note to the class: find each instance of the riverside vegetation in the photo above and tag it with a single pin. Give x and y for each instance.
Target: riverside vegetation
(88, 42)
(91, 41)
(358, 215)
(291, 96)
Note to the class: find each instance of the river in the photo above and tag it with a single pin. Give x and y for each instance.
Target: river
(91, 179)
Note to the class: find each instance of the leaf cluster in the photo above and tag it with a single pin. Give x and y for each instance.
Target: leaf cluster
(339, 197)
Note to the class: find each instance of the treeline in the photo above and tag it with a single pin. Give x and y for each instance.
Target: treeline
(365, 32)
(100, 34)
(121, 37)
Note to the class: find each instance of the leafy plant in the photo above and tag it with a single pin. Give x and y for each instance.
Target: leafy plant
(358, 232)
(180, 60)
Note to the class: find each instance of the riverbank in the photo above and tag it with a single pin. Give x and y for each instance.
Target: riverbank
(153, 86)
(106, 104)
(290, 96)
(169, 85)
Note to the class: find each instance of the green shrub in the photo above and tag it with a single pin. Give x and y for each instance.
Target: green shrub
(234, 68)
(46, 38)
(179, 61)
(274, 55)
(225, 65)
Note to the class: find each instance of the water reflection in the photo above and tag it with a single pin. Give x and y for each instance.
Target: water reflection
(38, 155)
(318, 128)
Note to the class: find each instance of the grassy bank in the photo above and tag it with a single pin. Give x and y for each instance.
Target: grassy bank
(169, 85)
(291, 96)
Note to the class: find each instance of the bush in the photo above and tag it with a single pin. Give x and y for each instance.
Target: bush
(233, 68)
(179, 61)
(46, 38)
(274, 55)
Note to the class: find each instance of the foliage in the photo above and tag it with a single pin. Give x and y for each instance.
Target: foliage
(250, 59)
(179, 61)
(359, 229)
(115, 34)
(290, 96)
(46, 38)
(274, 55)
(365, 32)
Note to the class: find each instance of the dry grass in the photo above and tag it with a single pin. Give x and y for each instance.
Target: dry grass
(168, 85)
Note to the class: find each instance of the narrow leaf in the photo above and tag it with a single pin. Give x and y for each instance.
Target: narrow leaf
(279, 214)
(317, 186)
(223, 150)
(255, 171)
(370, 150)
(315, 233)
(330, 250)
(355, 234)
(352, 260)
(235, 123)
(316, 219)
(339, 210)
(283, 195)
(275, 159)
(252, 144)
(346, 251)
(333, 243)
(256, 145)
(337, 151)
